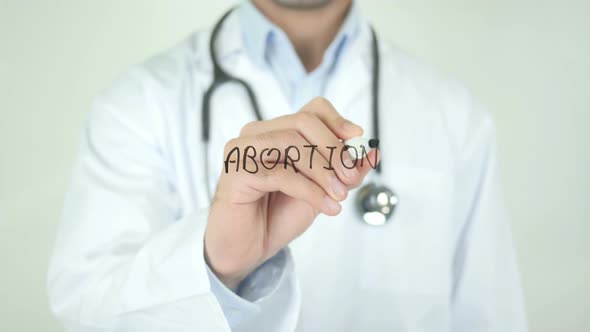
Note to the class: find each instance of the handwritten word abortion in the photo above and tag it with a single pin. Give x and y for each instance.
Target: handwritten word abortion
(249, 159)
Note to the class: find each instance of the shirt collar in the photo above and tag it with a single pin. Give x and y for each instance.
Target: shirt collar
(258, 32)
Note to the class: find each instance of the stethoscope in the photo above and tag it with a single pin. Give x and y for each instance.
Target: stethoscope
(375, 203)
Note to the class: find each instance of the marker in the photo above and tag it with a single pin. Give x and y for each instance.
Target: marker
(358, 143)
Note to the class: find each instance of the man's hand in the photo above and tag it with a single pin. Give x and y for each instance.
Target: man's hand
(253, 216)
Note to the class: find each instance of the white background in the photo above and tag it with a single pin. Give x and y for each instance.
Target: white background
(527, 61)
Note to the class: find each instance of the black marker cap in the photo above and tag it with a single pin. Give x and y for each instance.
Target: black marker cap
(373, 143)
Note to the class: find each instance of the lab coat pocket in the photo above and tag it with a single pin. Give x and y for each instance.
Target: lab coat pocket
(411, 254)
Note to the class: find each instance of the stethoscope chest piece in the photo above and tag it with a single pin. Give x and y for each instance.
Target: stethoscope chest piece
(376, 204)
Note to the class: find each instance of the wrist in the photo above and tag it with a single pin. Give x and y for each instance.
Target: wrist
(230, 277)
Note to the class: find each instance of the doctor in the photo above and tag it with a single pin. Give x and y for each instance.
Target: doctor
(156, 237)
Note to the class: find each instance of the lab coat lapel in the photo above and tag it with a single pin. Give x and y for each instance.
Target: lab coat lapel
(271, 98)
(235, 61)
(349, 86)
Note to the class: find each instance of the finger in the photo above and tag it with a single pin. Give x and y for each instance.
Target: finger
(292, 184)
(316, 133)
(276, 149)
(323, 109)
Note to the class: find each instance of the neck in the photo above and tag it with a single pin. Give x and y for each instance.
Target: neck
(310, 30)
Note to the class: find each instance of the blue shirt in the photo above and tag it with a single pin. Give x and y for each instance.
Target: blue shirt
(268, 46)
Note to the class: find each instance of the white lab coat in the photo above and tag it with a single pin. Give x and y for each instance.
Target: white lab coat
(129, 251)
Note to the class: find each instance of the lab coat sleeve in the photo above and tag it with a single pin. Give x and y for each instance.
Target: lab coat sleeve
(126, 258)
(487, 294)
(255, 291)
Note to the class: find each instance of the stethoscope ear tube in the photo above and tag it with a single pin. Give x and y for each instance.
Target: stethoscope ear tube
(375, 88)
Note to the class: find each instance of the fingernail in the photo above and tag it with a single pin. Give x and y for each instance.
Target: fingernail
(331, 205)
(347, 160)
(338, 188)
(351, 127)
